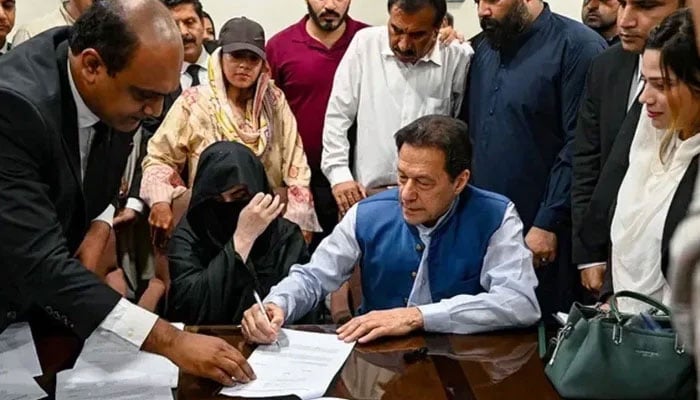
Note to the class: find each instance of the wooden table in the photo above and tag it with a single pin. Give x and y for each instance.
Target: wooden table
(478, 367)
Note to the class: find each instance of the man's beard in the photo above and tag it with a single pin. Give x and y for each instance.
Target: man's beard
(500, 33)
(603, 26)
(324, 25)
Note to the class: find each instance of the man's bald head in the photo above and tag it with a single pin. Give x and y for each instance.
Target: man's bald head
(126, 55)
(116, 28)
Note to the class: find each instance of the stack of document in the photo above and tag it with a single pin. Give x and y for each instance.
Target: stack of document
(19, 364)
(109, 370)
(303, 366)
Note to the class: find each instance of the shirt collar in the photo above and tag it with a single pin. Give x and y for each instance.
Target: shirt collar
(86, 118)
(540, 22)
(638, 75)
(424, 230)
(6, 47)
(201, 61)
(434, 55)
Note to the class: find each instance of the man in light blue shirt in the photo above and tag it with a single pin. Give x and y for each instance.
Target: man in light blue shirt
(436, 254)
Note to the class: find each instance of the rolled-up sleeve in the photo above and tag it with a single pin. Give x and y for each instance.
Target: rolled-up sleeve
(340, 115)
(509, 281)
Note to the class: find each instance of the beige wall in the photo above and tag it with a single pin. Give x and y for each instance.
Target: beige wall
(277, 14)
(274, 15)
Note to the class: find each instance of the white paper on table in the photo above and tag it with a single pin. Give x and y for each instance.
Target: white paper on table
(305, 368)
(17, 350)
(18, 384)
(96, 383)
(102, 352)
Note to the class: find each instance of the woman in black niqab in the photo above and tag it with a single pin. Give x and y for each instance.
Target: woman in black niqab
(211, 284)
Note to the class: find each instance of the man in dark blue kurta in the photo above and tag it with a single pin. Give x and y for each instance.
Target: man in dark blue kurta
(527, 78)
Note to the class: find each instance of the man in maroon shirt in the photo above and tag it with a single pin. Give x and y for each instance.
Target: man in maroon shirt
(303, 59)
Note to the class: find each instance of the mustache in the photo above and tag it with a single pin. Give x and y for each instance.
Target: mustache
(409, 53)
(329, 13)
(188, 39)
(489, 24)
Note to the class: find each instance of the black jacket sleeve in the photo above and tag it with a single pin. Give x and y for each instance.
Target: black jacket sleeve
(37, 267)
(135, 185)
(218, 289)
(586, 169)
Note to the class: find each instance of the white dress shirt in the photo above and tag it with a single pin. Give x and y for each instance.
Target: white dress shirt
(507, 276)
(384, 95)
(203, 63)
(637, 85)
(126, 321)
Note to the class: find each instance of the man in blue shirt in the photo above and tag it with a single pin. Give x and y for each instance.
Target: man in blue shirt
(436, 254)
(527, 78)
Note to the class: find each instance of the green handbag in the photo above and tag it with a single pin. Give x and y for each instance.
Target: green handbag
(599, 355)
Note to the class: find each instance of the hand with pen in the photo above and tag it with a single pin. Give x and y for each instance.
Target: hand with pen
(262, 327)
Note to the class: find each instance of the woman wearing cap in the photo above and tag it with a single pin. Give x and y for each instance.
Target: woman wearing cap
(240, 104)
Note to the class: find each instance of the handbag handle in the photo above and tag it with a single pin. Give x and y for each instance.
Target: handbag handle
(637, 296)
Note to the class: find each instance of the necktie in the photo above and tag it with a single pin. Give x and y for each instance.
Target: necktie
(193, 71)
(97, 166)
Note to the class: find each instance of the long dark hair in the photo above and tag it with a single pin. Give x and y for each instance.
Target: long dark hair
(675, 39)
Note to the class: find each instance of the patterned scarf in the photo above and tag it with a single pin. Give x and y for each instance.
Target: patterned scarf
(255, 129)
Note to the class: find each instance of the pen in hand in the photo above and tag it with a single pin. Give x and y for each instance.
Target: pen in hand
(262, 310)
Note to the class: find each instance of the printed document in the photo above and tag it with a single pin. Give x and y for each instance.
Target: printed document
(17, 351)
(102, 352)
(18, 384)
(305, 367)
(96, 383)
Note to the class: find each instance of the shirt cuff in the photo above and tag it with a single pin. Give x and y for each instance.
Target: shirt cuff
(436, 318)
(548, 219)
(135, 204)
(339, 175)
(107, 216)
(281, 303)
(591, 265)
(129, 322)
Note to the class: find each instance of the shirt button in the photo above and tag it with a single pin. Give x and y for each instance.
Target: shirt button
(491, 112)
(11, 315)
(130, 333)
(413, 274)
(496, 89)
(419, 247)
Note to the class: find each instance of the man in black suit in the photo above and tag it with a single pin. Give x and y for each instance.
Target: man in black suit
(66, 98)
(607, 123)
(7, 22)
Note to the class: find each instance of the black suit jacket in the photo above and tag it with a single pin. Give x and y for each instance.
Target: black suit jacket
(602, 117)
(44, 209)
